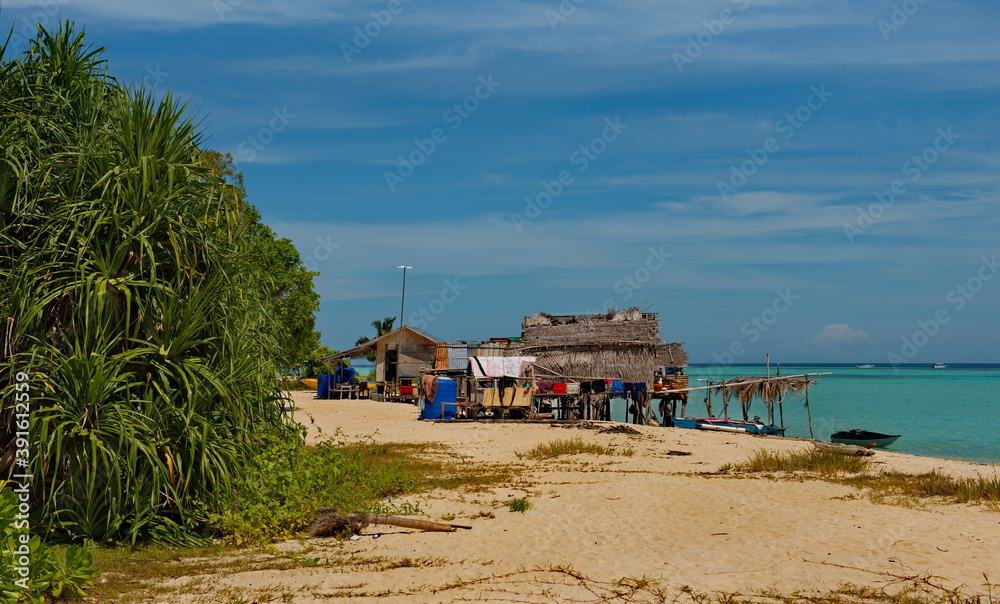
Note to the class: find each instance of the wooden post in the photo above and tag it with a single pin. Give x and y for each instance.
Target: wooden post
(725, 405)
(809, 412)
(708, 401)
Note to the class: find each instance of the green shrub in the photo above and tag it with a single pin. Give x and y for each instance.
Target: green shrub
(281, 494)
(520, 505)
(48, 574)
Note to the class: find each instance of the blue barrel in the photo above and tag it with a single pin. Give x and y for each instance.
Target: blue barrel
(445, 403)
(343, 375)
(323, 386)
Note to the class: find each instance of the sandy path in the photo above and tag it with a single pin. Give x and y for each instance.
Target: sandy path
(647, 515)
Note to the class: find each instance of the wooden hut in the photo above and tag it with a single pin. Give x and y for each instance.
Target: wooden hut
(620, 344)
(400, 354)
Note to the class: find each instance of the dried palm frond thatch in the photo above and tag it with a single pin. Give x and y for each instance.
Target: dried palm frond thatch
(768, 390)
(619, 344)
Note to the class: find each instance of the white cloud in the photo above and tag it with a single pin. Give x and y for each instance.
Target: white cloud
(837, 335)
(185, 13)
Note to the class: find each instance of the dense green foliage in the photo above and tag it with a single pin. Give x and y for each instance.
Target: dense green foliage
(281, 497)
(47, 575)
(286, 281)
(140, 294)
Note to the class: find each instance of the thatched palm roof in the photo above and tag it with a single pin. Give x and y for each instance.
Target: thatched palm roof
(620, 344)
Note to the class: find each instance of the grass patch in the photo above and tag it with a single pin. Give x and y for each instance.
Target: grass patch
(825, 463)
(896, 487)
(570, 446)
(281, 498)
(434, 466)
(281, 494)
(520, 505)
(979, 490)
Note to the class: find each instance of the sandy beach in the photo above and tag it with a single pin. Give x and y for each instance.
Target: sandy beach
(654, 514)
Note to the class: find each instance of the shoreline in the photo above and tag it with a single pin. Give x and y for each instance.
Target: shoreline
(307, 395)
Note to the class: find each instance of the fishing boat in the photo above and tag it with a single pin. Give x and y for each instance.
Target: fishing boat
(863, 438)
(865, 366)
(939, 365)
(727, 425)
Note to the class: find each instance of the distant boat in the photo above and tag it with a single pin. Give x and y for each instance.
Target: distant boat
(866, 366)
(863, 438)
(727, 425)
(939, 365)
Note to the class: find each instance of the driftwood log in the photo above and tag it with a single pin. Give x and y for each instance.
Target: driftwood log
(331, 523)
(844, 449)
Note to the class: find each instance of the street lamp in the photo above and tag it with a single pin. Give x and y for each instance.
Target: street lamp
(399, 336)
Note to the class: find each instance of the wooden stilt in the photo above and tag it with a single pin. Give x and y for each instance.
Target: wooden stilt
(809, 413)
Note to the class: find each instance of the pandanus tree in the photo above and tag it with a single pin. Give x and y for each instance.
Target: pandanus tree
(131, 296)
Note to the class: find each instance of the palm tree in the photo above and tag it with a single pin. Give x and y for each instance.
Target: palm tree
(381, 328)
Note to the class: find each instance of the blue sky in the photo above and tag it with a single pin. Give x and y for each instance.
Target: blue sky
(817, 180)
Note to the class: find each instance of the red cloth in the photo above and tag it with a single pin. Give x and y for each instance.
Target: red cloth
(559, 388)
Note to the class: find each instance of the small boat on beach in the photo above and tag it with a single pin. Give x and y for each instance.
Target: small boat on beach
(727, 425)
(863, 438)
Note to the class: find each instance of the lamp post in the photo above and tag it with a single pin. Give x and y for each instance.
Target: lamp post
(399, 335)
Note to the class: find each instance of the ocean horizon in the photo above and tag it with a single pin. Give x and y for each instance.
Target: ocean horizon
(949, 413)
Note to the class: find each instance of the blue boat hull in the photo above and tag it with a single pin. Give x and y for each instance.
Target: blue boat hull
(749, 427)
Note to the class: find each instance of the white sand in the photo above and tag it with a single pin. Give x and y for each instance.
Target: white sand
(650, 515)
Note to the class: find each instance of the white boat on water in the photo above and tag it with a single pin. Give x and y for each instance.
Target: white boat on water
(865, 366)
(939, 365)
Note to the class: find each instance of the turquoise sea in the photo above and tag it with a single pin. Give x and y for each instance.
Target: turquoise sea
(951, 413)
